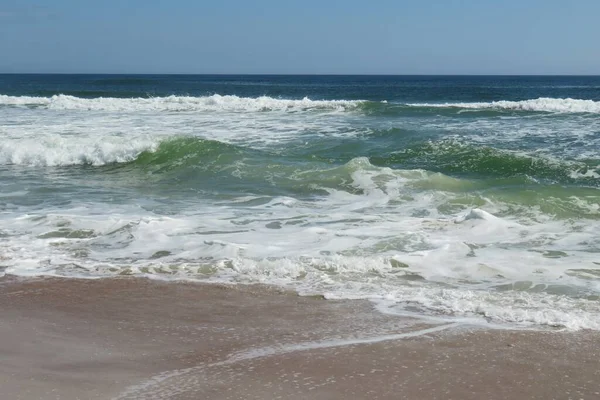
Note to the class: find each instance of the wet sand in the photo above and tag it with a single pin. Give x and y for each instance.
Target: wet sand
(140, 339)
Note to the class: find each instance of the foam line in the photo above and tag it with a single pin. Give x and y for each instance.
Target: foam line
(542, 104)
(215, 102)
(186, 377)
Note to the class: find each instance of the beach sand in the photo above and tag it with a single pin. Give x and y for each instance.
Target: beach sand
(134, 338)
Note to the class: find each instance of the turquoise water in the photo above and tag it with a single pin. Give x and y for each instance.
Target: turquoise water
(455, 197)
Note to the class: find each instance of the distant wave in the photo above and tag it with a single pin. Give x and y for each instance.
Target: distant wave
(232, 103)
(542, 104)
(179, 103)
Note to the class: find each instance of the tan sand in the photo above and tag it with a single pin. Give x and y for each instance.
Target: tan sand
(140, 339)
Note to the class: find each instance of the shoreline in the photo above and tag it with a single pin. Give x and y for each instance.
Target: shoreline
(135, 338)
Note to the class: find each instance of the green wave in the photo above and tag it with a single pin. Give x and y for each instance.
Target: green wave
(463, 175)
(458, 158)
(184, 152)
(449, 157)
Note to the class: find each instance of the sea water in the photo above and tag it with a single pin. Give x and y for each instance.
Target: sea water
(452, 197)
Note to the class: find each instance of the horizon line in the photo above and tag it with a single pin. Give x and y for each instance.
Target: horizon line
(287, 74)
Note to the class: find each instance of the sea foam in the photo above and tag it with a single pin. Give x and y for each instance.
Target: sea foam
(215, 102)
(55, 150)
(464, 264)
(542, 104)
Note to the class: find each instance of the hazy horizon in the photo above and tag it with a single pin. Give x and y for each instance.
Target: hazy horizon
(300, 74)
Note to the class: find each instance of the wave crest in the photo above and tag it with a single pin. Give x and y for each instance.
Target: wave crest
(146, 152)
(457, 157)
(53, 151)
(215, 102)
(542, 104)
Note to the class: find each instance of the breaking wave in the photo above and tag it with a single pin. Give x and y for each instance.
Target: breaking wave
(215, 102)
(458, 157)
(450, 157)
(542, 104)
(56, 151)
(232, 103)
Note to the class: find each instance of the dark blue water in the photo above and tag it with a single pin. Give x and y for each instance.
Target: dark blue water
(375, 88)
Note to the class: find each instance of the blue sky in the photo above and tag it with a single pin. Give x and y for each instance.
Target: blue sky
(290, 37)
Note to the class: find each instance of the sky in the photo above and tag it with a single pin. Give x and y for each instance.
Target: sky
(301, 37)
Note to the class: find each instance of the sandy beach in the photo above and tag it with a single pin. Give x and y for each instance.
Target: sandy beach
(141, 339)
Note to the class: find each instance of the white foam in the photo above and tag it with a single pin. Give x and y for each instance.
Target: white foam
(57, 150)
(522, 308)
(117, 130)
(215, 102)
(568, 138)
(476, 213)
(543, 104)
(590, 173)
(384, 241)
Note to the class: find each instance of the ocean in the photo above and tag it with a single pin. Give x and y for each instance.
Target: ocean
(467, 198)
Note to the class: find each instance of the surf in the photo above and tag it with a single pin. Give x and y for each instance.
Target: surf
(173, 103)
(542, 104)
